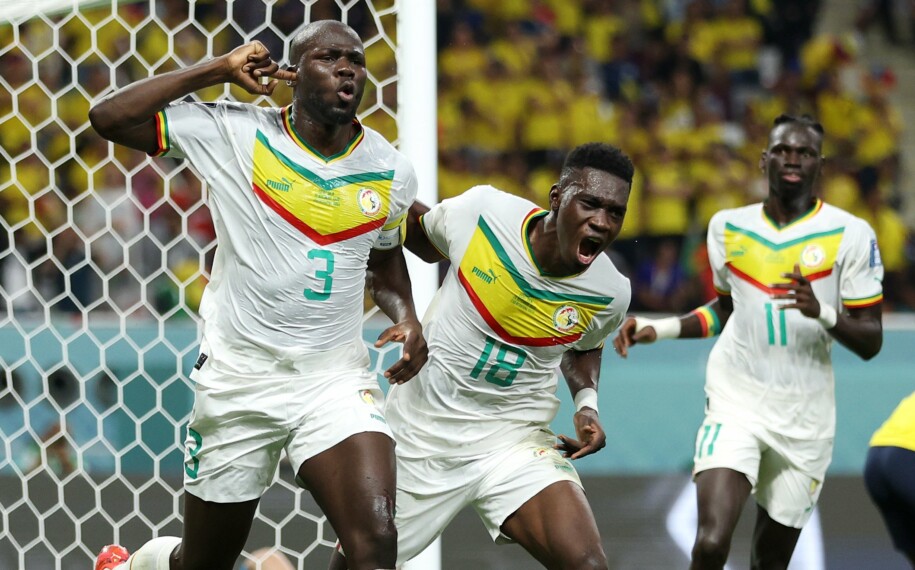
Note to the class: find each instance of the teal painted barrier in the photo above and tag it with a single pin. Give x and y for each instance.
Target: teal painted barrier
(651, 404)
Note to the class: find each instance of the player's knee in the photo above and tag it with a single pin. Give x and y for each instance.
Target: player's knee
(375, 543)
(711, 548)
(591, 559)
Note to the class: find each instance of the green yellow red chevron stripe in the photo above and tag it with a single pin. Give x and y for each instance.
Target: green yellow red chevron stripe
(761, 262)
(514, 309)
(326, 210)
(303, 144)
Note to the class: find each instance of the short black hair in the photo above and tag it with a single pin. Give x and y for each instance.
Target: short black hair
(601, 156)
(805, 120)
(301, 40)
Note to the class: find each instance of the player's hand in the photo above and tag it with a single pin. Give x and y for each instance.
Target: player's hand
(627, 337)
(799, 291)
(248, 63)
(591, 436)
(415, 351)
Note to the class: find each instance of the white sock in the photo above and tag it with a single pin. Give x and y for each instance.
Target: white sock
(153, 555)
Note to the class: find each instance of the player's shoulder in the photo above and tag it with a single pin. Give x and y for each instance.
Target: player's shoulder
(740, 215)
(838, 215)
(382, 148)
(489, 200)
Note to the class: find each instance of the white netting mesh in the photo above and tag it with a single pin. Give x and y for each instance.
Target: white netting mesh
(103, 256)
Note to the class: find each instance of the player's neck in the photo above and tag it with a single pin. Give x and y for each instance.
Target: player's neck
(784, 209)
(544, 245)
(324, 138)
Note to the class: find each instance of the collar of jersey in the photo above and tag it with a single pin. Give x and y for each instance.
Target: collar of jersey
(300, 142)
(803, 217)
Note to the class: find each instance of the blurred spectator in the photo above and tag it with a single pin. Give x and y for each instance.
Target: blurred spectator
(660, 283)
(886, 14)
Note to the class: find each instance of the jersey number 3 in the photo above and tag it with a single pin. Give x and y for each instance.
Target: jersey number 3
(325, 274)
(502, 372)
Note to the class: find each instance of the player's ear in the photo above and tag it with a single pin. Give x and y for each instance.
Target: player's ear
(762, 161)
(555, 197)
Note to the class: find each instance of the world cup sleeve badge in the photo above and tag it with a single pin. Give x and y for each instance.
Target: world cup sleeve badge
(875, 260)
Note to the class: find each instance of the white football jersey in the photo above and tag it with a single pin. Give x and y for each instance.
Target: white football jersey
(294, 230)
(770, 364)
(497, 330)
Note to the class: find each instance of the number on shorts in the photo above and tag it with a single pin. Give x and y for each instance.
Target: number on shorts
(782, 336)
(325, 274)
(192, 469)
(501, 365)
(706, 429)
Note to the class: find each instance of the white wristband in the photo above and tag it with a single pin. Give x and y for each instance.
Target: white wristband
(664, 328)
(586, 397)
(828, 316)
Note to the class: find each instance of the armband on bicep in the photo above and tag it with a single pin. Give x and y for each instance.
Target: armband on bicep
(708, 320)
(392, 234)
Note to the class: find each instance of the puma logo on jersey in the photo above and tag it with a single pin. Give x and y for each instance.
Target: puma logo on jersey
(284, 186)
(488, 277)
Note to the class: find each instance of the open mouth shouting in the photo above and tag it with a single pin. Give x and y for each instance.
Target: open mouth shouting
(347, 92)
(588, 249)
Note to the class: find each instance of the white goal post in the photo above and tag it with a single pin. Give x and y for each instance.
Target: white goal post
(104, 253)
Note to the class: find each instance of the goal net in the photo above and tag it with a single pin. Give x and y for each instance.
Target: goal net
(105, 253)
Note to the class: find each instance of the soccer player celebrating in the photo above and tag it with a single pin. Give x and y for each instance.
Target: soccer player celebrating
(528, 291)
(308, 206)
(792, 273)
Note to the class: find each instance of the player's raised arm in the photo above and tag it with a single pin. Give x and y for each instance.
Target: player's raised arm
(388, 282)
(417, 241)
(128, 116)
(859, 330)
(581, 370)
(704, 321)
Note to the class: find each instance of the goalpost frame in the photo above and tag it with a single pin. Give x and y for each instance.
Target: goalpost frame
(417, 127)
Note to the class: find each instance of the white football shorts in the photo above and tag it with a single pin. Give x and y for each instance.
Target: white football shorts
(239, 426)
(430, 492)
(786, 474)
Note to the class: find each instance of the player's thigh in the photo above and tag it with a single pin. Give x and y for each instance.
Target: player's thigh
(234, 439)
(725, 468)
(558, 523)
(516, 475)
(354, 483)
(429, 496)
(791, 477)
(214, 533)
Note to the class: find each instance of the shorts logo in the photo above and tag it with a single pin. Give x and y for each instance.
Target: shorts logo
(542, 451)
(367, 397)
(813, 256)
(369, 202)
(565, 318)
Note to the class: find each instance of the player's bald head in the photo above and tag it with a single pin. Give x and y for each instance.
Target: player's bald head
(316, 32)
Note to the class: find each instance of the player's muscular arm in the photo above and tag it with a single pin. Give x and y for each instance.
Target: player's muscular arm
(388, 283)
(581, 370)
(706, 320)
(416, 239)
(127, 116)
(860, 330)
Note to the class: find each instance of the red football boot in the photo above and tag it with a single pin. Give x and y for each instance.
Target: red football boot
(111, 556)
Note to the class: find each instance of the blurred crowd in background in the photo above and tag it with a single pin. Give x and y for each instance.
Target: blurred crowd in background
(688, 88)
